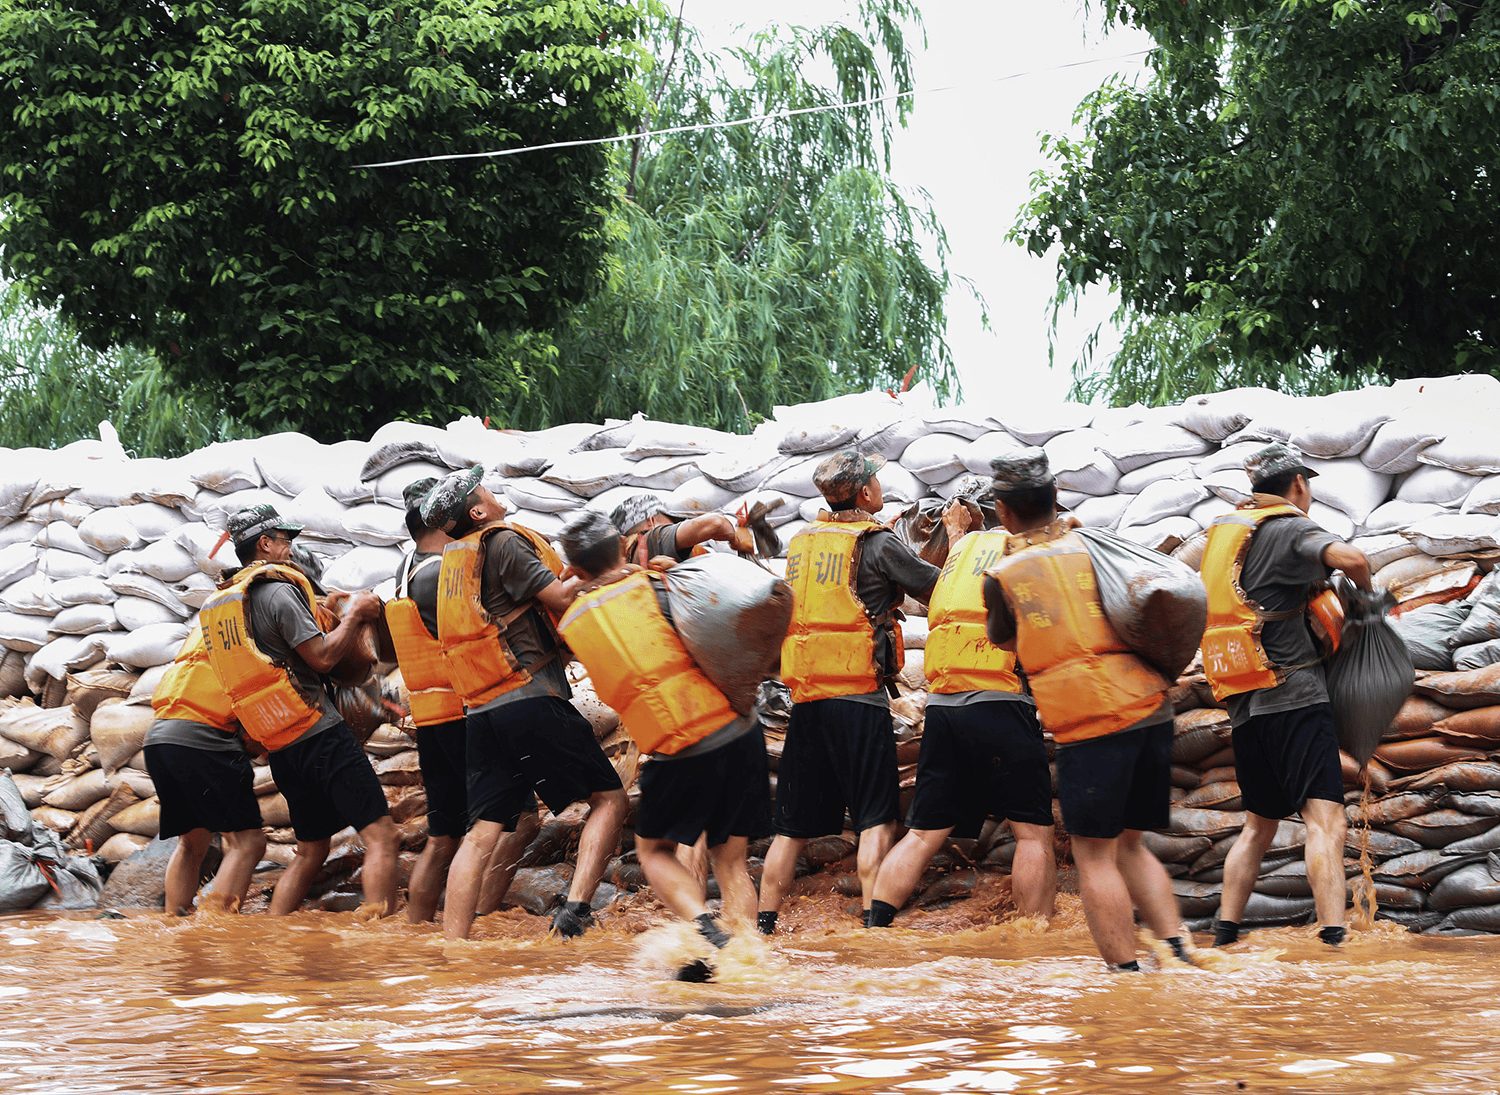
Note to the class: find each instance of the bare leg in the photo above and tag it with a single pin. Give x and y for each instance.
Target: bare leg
(1242, 866)
(1149, 885)
(298, 877)
(1033, 872)
(1326, 828)
(1106, 898)
(242, 852)
(733, 874)
(695, 858)
(462, 894)
(381, 843)
(902, 869)
(503, 863)
(599, 840)
(428, 876)
(673, 882)
(874, 843)
(183, 868)
(780, 869)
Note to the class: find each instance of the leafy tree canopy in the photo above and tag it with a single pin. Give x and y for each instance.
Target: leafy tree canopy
(181, 177)
(762, 264)
(1302, 189)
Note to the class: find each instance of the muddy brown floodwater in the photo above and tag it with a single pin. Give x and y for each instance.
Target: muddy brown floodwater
(319, 1003)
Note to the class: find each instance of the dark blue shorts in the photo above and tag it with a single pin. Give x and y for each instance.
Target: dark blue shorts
(203, 789)
(724, 793)
(838, 753)
(1284, 758)
(538, 748)
(441, 752)
(328, 784)
(1117, 782)
(981, 760)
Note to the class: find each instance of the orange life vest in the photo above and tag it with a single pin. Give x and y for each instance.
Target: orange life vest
(830, 648)
(639, 666)
(959, 655)
(1086, 682)
(425, 673)
(191, 690)
(1234, 658)
(266, 700)
(481, 666)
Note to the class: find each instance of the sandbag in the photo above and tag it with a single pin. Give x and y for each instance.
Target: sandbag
(1477, 655)
(130, 587)
(23, 633)
(732, 617)
(1455, 534)
(1431, 632)
(31, 596)
(587, 473)
(1442, 827)
(1479, 727)
(652, 438)
(1102, 512)
(1396, 515)
(1156, 604)
(1439, 486)
(108, 531)
(661, 473)
(149, 646)
(1076, 461)
(1369, 676)
(56, 731)
(1415, 718)
(935, 458)
(1481, 623)
(86, 590)
(78, 792)
(363, 568)
(1463, 775)
(1381, 812)
(373, 523)
(85, 619)
(118, 730)
(1422, 869)
(1483, 803)
(143, 818)
(1460, 691)
(1177, 467)
(1214, 824)
(22, 882)
(1035, 421)
(199, 541)
(1420, 754)
(977, 454)
(1384, 548)
(1349, 486)
(1148, 442)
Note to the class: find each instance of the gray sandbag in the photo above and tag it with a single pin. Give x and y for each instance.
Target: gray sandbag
(1369, 676)
(732, 616)
(1470, 885)
(1482, 622)
(1431, 633)
(22, 882)
(1479, 918)
(1423, 869)
(1476, 655)
(1157, 604)
(75, 884)
(15, 818)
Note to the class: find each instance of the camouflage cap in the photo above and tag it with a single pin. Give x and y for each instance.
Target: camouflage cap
(252, 522)
(839, 478)
(415, 491)
(1277, 458)
(635, 510)
(1025, 469)
(446, 501)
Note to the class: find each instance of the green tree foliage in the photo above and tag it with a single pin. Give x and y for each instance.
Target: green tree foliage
(54, 390)
(763, 264)
(1302, 189)
(182, 177)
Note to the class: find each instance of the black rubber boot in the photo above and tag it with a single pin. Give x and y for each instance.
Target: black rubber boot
(711, 931)
(572, 920)
(879, 914)
(1132, 966)
(697, 972)
(1225, 933)
(765, 922)
(1332, 935)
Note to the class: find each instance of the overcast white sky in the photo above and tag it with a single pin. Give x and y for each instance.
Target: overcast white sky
(974, 151)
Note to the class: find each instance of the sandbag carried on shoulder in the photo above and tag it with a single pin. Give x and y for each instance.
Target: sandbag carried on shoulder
(1370, 675)
(1157, 604)
(732, 617)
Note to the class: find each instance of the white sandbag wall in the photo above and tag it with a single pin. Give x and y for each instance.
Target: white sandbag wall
(105, 560)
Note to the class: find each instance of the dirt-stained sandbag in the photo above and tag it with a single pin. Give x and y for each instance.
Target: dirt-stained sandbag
(119, 731)
(1461, 691)
(1423, 869)
(1442, 827)
(141, 818)
(1465, 775)
(1158, 605)
(1198, 734)
(1479, 727)
(1381, 812)
(1214, 824)
(1416, 719)
(57, 731)
(1473, 884)
(732, 617)
(1420, 754)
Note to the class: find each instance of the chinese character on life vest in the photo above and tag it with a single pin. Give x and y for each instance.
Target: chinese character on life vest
(830, 568)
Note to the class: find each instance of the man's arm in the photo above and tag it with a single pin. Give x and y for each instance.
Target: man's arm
(324, 651)
(560, 594)
(1000, 625)
(1351, 561)
(698, 530)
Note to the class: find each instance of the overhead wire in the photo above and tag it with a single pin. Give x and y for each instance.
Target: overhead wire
(703, 127)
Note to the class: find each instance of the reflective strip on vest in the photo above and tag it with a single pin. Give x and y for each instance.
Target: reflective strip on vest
(829, 650)
(959, 656)
(1234, 659)
(265, 698)
(1086, 682)
(640, 668)
(480, 664)
(190, 689)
